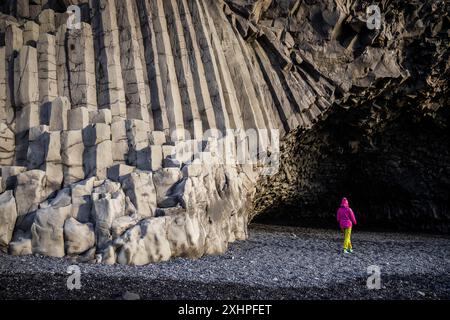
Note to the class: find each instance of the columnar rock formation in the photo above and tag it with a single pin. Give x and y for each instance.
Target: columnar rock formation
(128, 136)
(116, 130)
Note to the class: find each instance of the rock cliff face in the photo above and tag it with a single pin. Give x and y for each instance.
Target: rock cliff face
(133, 131)
(384, 142)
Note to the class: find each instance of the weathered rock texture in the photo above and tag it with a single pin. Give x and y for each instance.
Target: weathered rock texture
(105, 151)
(385, 142)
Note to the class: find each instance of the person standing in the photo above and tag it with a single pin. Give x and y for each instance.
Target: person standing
(346, 219)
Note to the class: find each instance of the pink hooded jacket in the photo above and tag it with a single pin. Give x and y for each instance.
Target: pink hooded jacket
(345, 215)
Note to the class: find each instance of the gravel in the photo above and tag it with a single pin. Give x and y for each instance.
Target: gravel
(274, 263)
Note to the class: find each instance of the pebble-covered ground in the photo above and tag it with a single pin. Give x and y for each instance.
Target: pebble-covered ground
(275, 263)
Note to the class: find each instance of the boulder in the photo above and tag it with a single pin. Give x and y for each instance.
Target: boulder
(105, 187)
(121, 224)
(81, 200)
(48, 230)
(139, 187)
(30, 191)
(109, 255)
(8, 216)
(186, 236)
(79, 237)
(21, 244)
(145, 243)
(105, 210)
(193, 169)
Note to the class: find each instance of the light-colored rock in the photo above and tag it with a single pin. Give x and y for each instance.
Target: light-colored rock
(30, 33)
(96, 134)
(72, 149)
(119, 141)
(164, 179)
(8, 216)
(6, 114)
(26, 77)
(111, 94)
(78, 118)
(98, 153)
(100, 116)
(157, 138)
(139, 187)
(58, 114)
(48, 230)
(82, 188)
(193, 169)
(156, 157)
(13, 40)
(105, 211)
(138, 144)
(168, 151)
(30, 191)
(21, 244)
(9, 174)
(62, 199)
(121, 224)
(7, 145)
(26, 90)
(109, 255)
(81, 200)
(145, 243)
(80, 67)
(185, 150)
(185, 236)
(47, 21)
(104, 187)
(78, 237)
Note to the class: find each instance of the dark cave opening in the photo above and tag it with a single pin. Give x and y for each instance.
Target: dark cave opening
(396, 176)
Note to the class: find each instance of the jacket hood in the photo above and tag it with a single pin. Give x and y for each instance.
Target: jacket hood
(344, 202)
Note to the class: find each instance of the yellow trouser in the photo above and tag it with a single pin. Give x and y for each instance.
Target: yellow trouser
(347, 241)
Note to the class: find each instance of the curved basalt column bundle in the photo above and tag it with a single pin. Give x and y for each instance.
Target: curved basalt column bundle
(129, 136)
